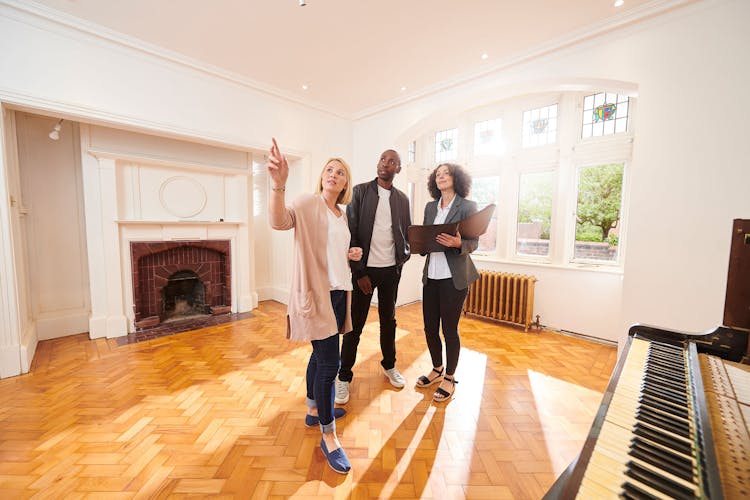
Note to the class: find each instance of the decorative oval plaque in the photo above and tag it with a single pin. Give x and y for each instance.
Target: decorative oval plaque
(182, 196)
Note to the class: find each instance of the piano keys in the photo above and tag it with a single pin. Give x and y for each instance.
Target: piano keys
(652, 437)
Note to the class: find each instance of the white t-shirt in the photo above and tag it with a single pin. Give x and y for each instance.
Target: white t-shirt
(337, 252)
(382, 247)
(438, 268)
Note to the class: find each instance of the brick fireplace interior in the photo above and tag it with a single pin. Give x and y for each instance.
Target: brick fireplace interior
(179, 280)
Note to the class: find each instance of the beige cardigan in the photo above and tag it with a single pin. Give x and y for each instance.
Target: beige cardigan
(310, 314)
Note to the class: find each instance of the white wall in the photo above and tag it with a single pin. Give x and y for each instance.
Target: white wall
(85, 76)
(51, 205)
(688, 175)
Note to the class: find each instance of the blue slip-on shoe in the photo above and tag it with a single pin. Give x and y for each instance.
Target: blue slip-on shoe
(313, 420)
(337, 459)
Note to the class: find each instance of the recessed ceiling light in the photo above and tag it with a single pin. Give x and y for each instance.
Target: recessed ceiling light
(304, 87)
(485, 56)
(403, 88)
(619, 3)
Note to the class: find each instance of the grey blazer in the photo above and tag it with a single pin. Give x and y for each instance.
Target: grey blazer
(462, 267)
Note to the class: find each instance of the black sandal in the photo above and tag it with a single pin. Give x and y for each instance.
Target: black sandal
(443, 395)
(425, 381)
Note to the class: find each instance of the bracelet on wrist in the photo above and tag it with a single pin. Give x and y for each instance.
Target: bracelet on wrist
(278, 189)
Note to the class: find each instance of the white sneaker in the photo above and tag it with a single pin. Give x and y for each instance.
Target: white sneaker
(394, 377)
(342, 392)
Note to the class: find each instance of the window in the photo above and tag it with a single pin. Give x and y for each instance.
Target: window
(534, 213)
(486, 190)
(488, 138)
(412, 155)
(561, 198)
(540, 126)
(598, 212)
(446, 147)
(604, 113)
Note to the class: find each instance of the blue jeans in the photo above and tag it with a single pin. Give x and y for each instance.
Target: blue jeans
(323, 367)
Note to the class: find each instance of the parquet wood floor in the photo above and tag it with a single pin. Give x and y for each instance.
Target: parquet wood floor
(219, 413)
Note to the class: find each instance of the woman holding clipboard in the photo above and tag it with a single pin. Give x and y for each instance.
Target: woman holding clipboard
(447, 275)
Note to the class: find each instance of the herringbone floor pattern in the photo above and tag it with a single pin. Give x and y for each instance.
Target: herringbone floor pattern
(219, 412)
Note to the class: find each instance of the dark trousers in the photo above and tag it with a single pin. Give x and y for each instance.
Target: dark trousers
(385, 280)
(323, 366)
(442, 303)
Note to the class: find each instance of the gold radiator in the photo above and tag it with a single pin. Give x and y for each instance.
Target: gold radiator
(503, 297)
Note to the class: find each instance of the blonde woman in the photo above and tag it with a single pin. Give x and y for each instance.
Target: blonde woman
(321, 285)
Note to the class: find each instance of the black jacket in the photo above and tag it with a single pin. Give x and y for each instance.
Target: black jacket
(361, 215)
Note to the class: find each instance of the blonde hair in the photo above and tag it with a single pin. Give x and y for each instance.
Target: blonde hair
(345, 196)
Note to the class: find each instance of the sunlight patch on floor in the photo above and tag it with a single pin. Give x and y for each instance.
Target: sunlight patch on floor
(563, 436)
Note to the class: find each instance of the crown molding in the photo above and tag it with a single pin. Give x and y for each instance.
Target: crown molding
(67, 25)
(64, 24)
(604, 27)
(76, 112)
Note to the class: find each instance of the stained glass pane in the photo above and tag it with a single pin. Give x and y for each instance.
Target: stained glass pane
(446, 147)
(622, 110)
(609, 127)
(540, 126)
(604, 113)
(488, 137)
(621, 125)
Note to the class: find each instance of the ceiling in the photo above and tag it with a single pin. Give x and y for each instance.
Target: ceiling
(355, 56)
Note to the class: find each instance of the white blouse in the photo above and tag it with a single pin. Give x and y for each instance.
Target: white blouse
(337, 251)
(438, 269)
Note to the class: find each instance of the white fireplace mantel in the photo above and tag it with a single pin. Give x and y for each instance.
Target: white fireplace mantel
(129, 199)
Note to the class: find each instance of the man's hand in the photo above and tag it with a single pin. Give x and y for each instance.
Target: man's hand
(365, 285)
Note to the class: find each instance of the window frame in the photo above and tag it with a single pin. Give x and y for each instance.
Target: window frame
(543, 168)
(628, 118)
(622, 236)
(562, 158)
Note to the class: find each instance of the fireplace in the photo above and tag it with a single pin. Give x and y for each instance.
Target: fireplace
(177, 280)
(183, 297)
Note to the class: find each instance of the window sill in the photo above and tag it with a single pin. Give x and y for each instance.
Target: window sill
(573, 266)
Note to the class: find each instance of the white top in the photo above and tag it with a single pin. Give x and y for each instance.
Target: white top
(438, 268)
(382, 247)
(337, 252)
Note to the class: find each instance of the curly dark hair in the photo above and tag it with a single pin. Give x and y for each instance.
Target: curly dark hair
(461, 181)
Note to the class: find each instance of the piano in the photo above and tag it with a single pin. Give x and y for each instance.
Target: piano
(673, 422)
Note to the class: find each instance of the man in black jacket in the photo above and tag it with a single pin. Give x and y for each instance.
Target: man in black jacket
(378, 219)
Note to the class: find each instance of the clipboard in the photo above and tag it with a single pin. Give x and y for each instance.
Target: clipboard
(422, 238)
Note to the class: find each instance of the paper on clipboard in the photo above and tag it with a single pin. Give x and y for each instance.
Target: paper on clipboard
(422, 238)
